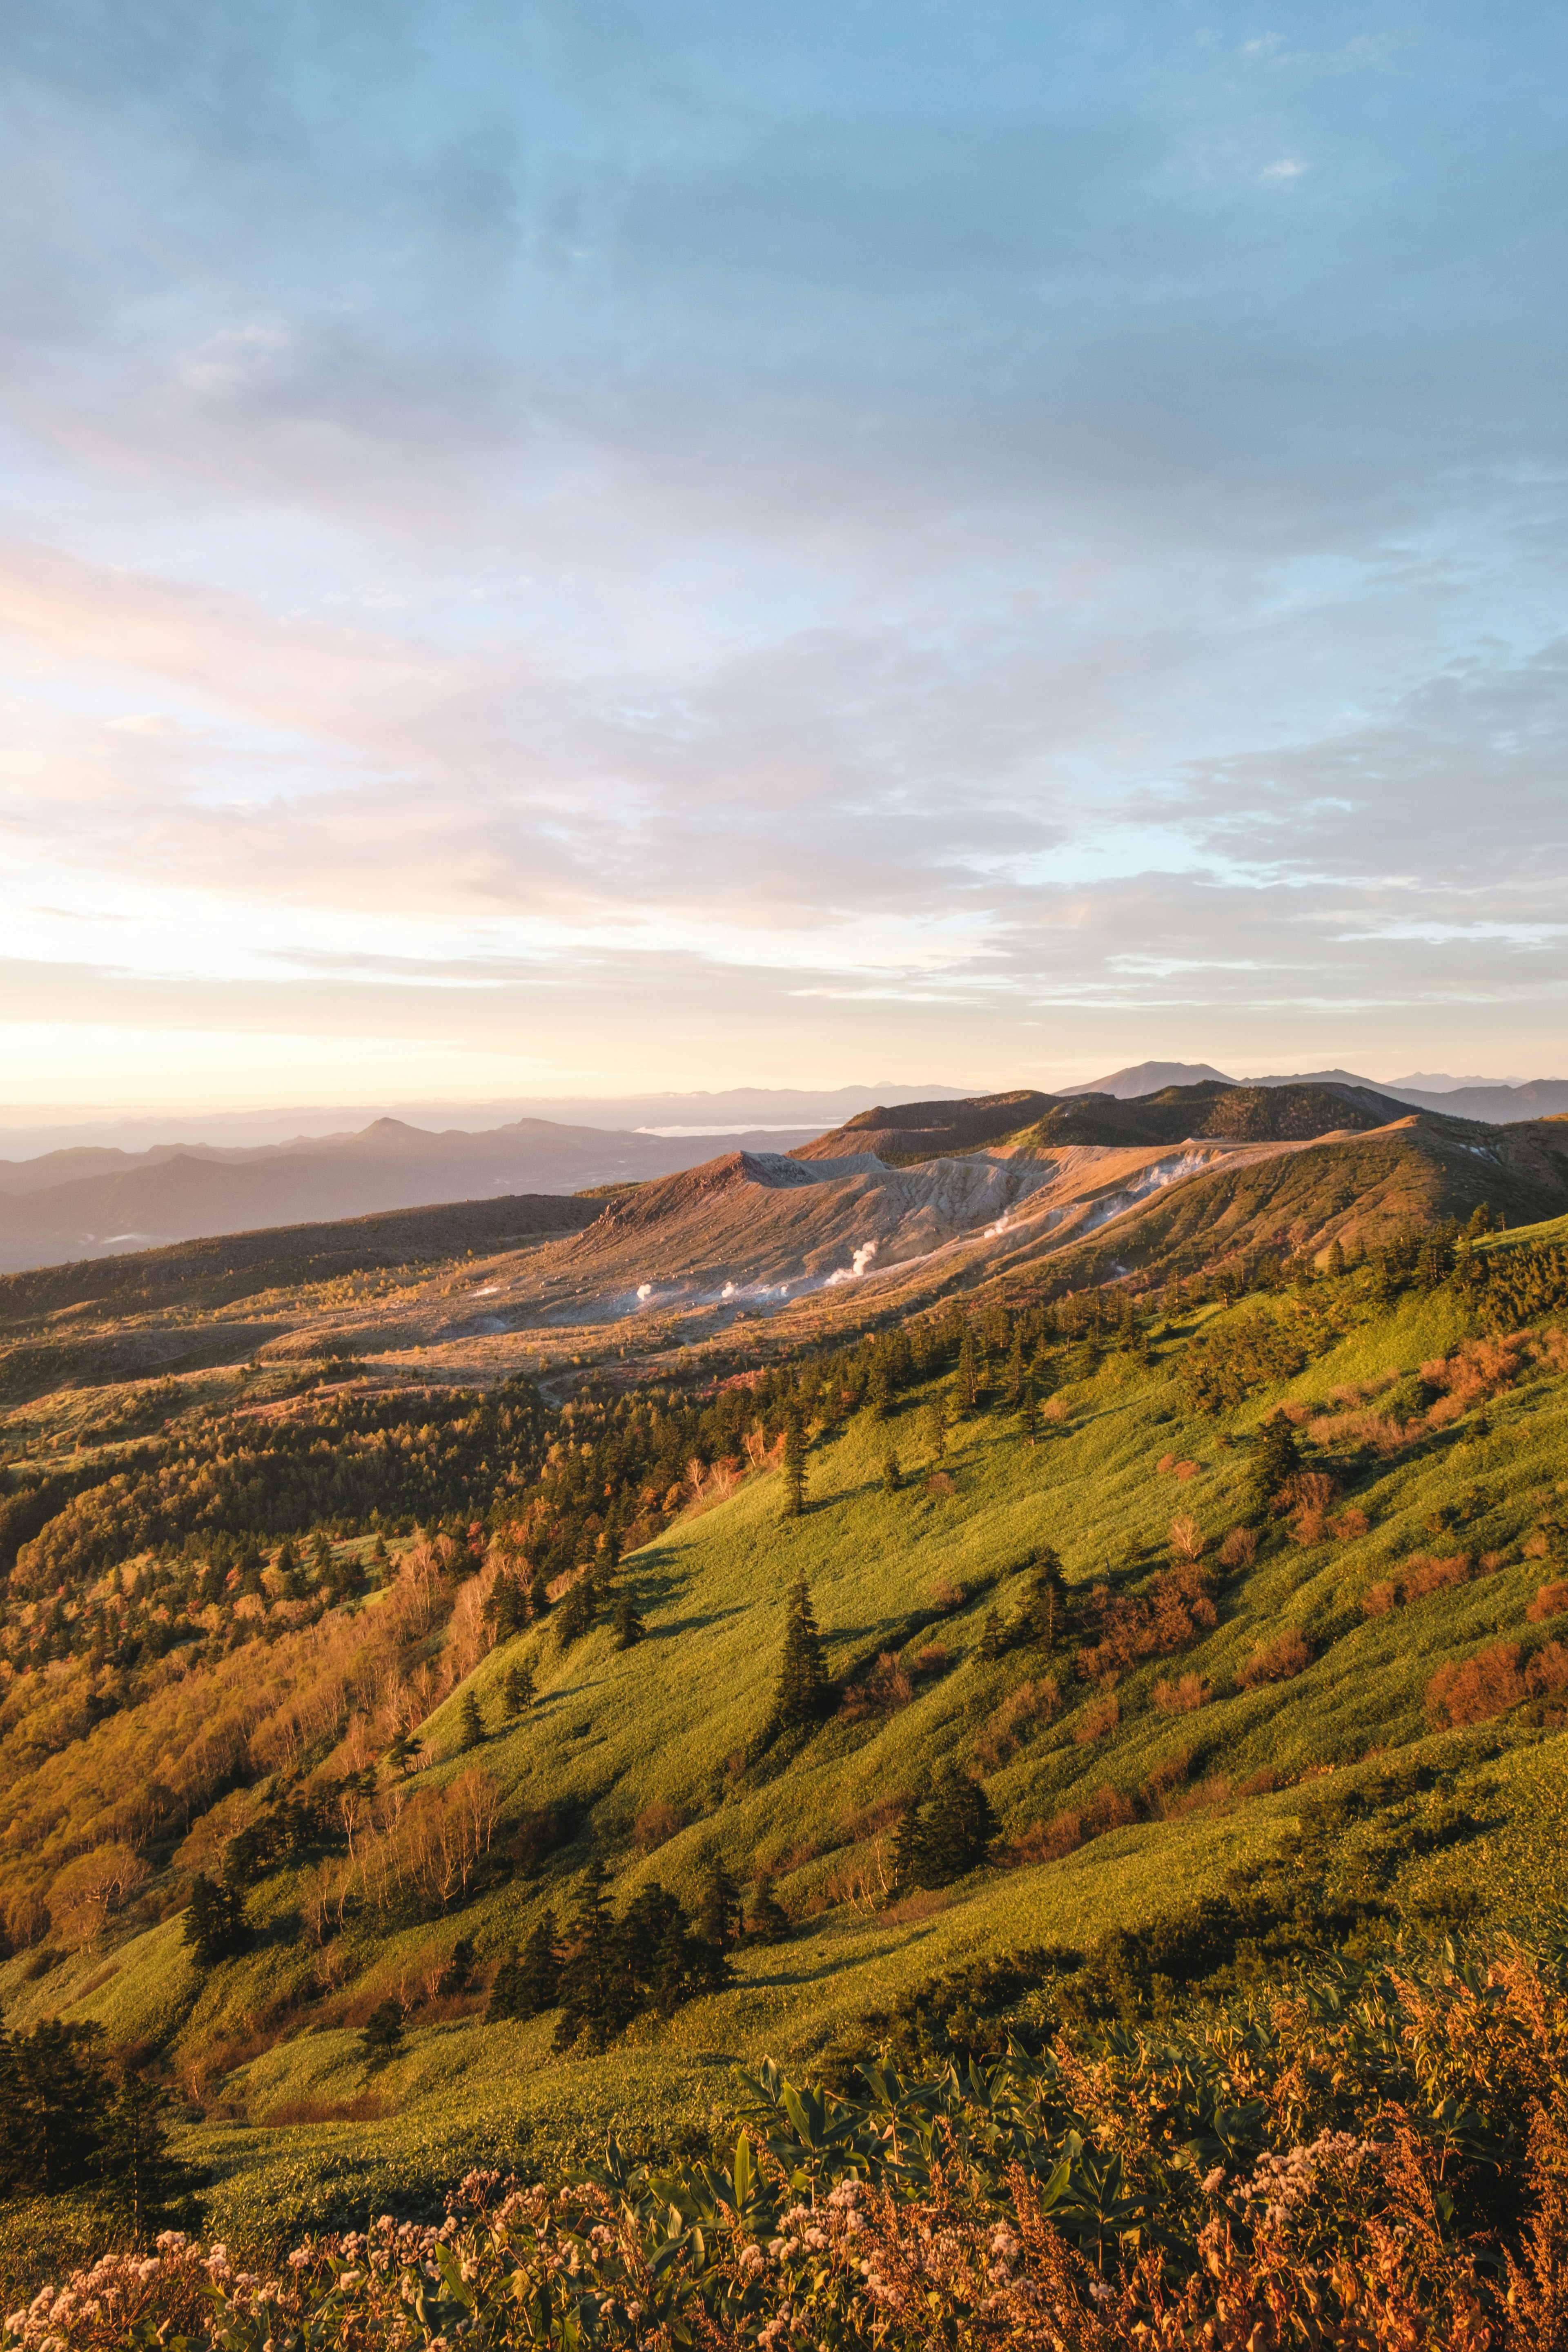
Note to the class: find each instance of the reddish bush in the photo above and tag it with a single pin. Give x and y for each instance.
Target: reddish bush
(1423, 1575)
(1184, 1696)
(1472, 1693)
(1278, 1661)
(1132, 1626)
(1020, 1713)
(1240, 1549)
(655, 1823)
(1347, 1526)
(1550, 1601)
(1097, 1720)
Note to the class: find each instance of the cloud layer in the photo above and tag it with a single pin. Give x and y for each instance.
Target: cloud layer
(603, 546)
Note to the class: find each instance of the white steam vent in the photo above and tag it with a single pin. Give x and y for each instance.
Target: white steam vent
(645, 1292)
(858, 1266)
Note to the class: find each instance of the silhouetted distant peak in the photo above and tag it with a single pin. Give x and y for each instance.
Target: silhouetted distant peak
(1149, 1077)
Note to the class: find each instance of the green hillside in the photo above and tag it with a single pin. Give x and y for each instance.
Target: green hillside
(1210, 1706)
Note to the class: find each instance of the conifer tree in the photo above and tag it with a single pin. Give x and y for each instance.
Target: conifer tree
(577, 1612)
(470, 1723)
(538, 1982)
(956, 1831)
(502, 2003)
(52, 2097)
(893, 1476)
(769, 1922)
(538, 1598)
(629, 1627)
(1047, 1605)
(992, 1640)
(719, 1919)
(1336, 1260)
(1277, 1459)
(907, 1843)
(458, 1973)
(1029, 1411)
(1016, 1373)
(215, 1927)
(936, 1426)
(968, 1381)
(794, 1462)
(381, 2036)
(591, 1988)
(802, 1677)
(149, 2187)
(517, 1691)
(400, 1753)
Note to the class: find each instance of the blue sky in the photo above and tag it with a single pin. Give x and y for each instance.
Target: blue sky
(549, 547)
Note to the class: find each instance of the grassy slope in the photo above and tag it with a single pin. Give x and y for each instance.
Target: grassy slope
(614, 1732)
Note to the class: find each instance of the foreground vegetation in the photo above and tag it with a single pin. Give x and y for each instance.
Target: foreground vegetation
(1147, 1705)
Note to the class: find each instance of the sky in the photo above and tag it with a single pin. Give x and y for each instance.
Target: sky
(571, 548)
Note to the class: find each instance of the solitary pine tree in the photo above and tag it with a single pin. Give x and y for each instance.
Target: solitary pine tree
(538, 1983)
(802, 1677)
(794, 1463)
(1276, 1460)
(502, 2003)
(517, 1691)
(769, 1922)
(936, 1425)
(1336, 1260)
(893, 1476)
(719, 1919)
(577, 1612)
(907, 1843)
(1048, 1603)
(992, 1640)
(381, 2036)
(470, 1723)
(149, 2187)
(629, 1627)
(215, 1926)
(457, 1976)
(956, 1831)
(591, 2003)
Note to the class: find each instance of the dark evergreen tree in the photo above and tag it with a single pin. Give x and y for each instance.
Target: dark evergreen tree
(52, 2099)
(629, 1627)
(1016, 1375)
(502, 2003)
(539, 1971)
(893, 1476)
(509, 1608)
(769, 1922)
(470, 1723)
(801, 1694)
(215, 1926)
(719, 1919)
(381, 2036)
(794, 1462)
(907, 1838)
(1046, 1606)
(517, 1691)
(591, 1990)
(1336, 1260)
(538, 1598)
(968, 1376)
(577, 1612)
(457, 1976)
(992, 1640)
(148, 2186)
(400, 1753)
(1029, 1412)
(1276, 1460)
(956, 1828)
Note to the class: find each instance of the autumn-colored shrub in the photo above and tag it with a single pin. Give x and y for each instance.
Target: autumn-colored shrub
(1550, 1601)
(1498, 1679)
(1278, 1661)
(1103, 1715)
(1240, 1549)
(657, 1822)
(1187, 1540)
(1128, 1627)
(1021, 1714)
(1349, 1525)
(1182, 1696)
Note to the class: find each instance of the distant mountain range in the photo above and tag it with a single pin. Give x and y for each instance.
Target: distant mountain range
(95, 1202)
(1495, 1106)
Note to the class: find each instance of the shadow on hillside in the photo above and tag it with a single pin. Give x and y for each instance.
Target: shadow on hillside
(694, 1625)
